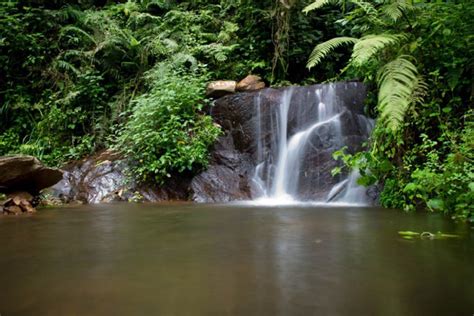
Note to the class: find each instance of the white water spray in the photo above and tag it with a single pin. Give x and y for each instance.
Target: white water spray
(279, 174)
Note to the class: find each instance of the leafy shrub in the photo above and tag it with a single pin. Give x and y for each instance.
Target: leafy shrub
(167, 132)
(426, 178)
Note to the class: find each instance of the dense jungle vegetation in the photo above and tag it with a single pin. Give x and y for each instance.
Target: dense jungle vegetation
(84, 75)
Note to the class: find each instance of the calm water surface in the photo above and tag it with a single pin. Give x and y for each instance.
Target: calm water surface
(185, 259)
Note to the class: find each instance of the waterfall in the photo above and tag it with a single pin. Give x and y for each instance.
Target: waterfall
(280, 182)
(295, 140)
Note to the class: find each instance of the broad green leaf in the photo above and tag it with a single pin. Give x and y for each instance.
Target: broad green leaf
(436, 204)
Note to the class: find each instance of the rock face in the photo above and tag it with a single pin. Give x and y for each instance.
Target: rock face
(26, 173)
(228, 176)
(102, 178)
(319, 163)
(250, 123)
(250, 83)
(217, 89)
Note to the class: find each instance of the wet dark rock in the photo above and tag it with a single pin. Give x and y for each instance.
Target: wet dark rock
(373, 194)
(26, 173)
(236, 114)
(217, 184)
(103, 178)
(239, 115)
(228, 176)
(338, 192)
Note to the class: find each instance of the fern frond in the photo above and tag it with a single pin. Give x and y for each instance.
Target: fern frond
(419, 91)
(319, 4)
(396, 9)
(70, 12)
(171, 45)
(77, 30)
(154, 46)
(140, 19)
(367, 7)
(398, 83)
(66, 66)
(392, 11)
(370, 45)
(324, 49)
(72, 53)
(370, 11)
(181, 58)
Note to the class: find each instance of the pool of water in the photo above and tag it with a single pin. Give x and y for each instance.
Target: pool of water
(187, 259)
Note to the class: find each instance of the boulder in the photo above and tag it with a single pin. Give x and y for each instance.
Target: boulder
(237, 115)
(217, 184)
(27, 174)
(217, 89)
(27, 207)
(250, 83)
(12, 209)
(18, 197)
(102, 178)
(19, 202)
(228, 176)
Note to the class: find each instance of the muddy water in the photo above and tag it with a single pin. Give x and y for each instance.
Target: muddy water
(184, 259)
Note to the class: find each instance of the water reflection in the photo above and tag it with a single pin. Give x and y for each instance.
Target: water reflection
(203, 260)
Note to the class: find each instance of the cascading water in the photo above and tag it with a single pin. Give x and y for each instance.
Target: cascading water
(295, 141)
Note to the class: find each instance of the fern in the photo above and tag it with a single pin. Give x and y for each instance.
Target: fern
(396, 9)
(367, 7)
(369, 45)
(70, 13)
(171, 45)
(66, 66)
(181, 58)
(399, 87)
(77, 30)
(319, 4)
(323, 49)
(369, 11)
(420, 90)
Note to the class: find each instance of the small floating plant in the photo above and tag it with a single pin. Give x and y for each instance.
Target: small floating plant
(426, 235)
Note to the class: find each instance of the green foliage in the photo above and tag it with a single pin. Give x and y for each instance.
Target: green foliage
(397, 79)
(445, 184)
(167, 132)
(419, 57)
(370, 45)
(436, 174)
(319, 4)
(399, 87)
(395, 10)
(69, 75)
(324, 49)
(426, 235)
